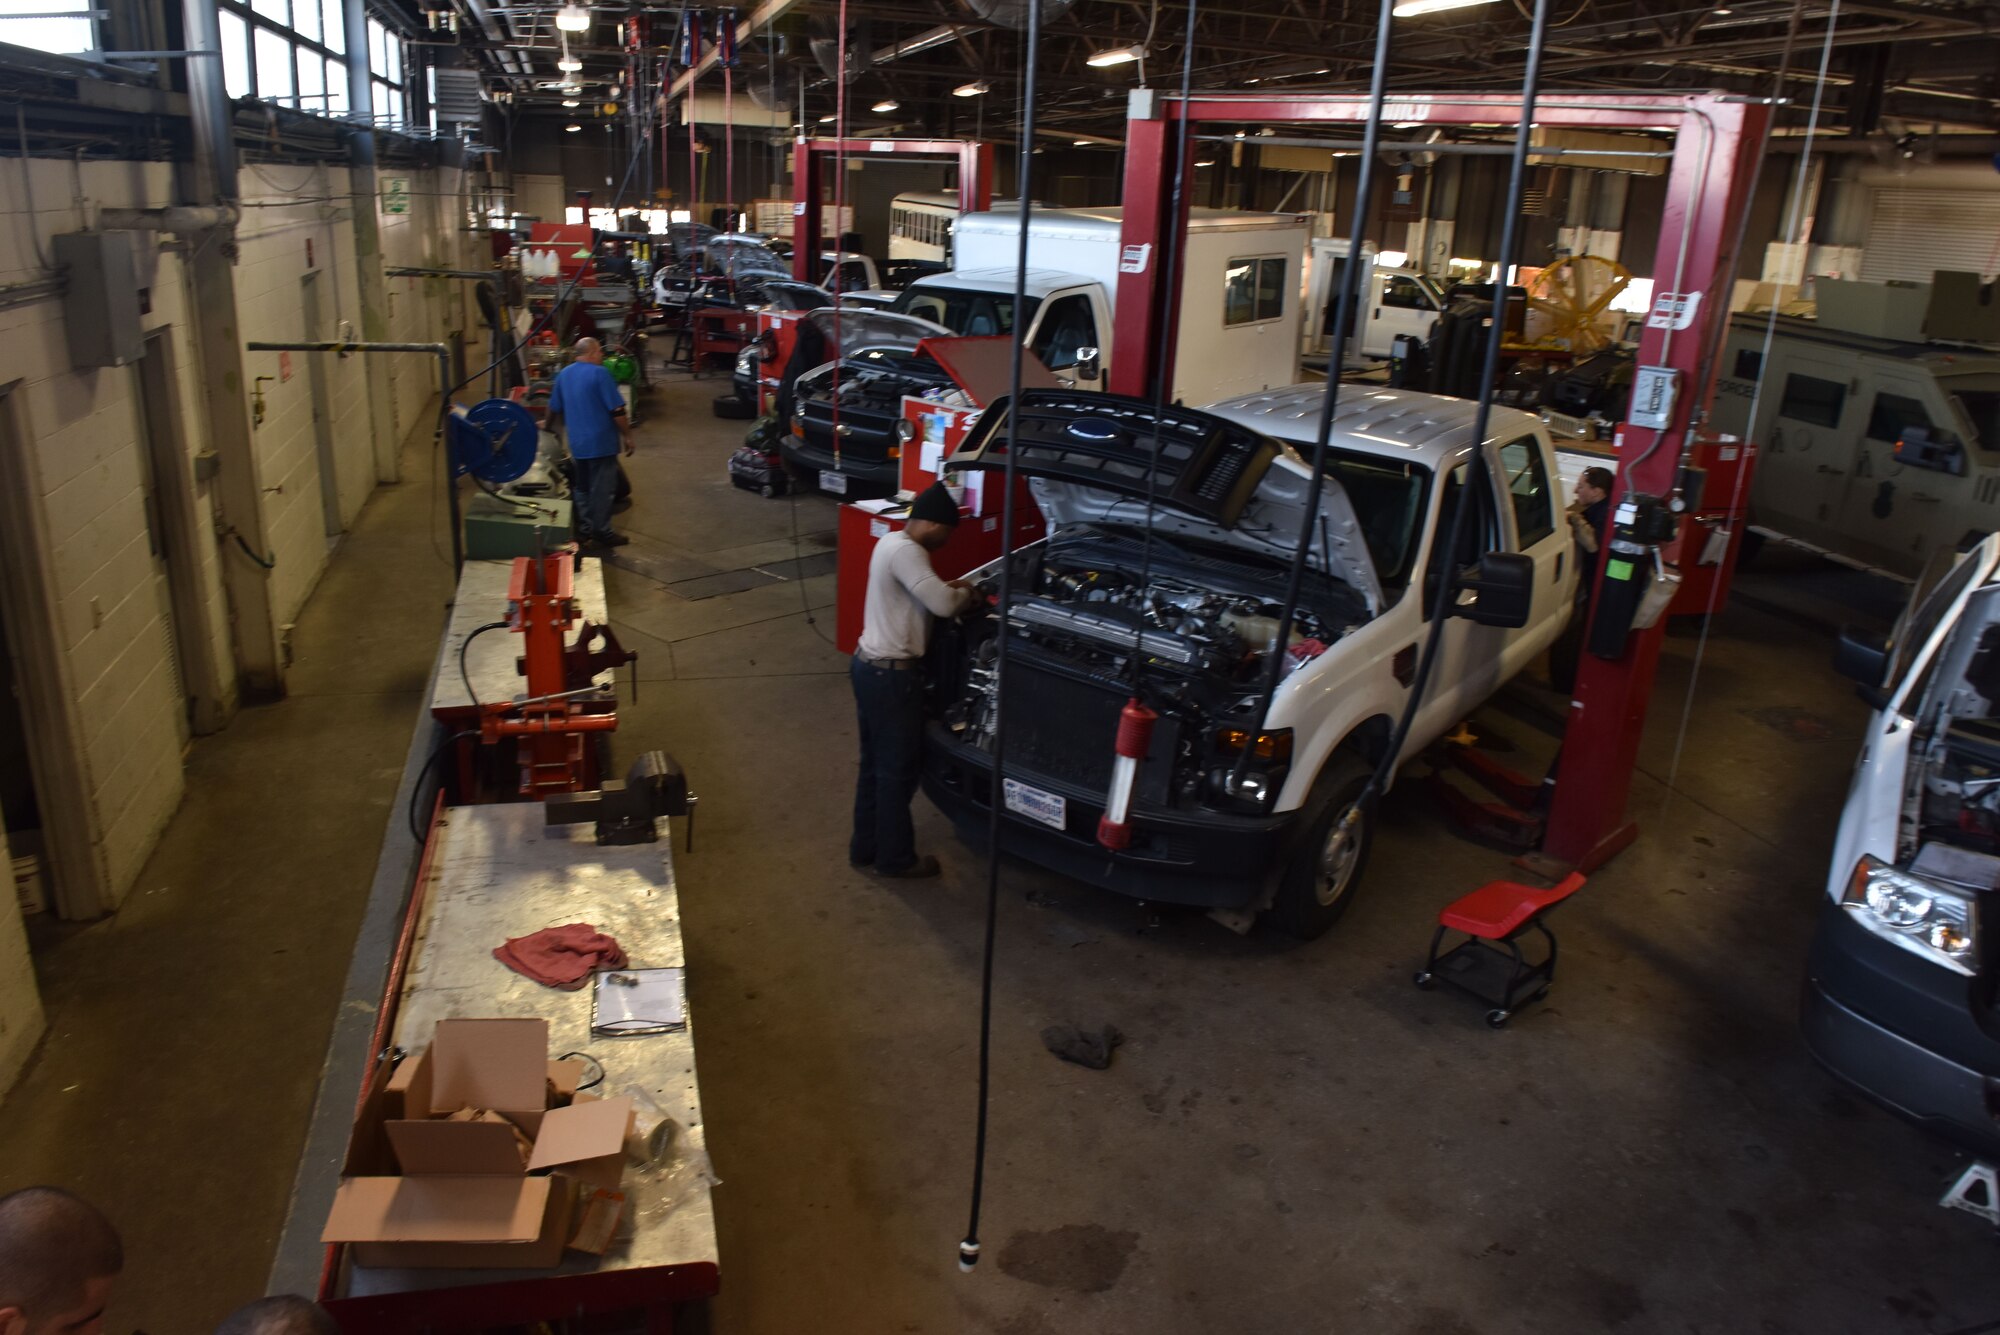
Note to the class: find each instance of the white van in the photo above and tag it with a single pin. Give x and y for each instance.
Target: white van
(1394, 301)
(1239, 301)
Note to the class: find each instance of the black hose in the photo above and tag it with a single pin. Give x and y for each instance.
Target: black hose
(968, 1250)
(268, 562)
(1350, 283)
(1448, 570)
(466, 643)
(417, 792)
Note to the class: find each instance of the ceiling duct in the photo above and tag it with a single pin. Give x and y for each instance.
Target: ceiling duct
(1014, 13)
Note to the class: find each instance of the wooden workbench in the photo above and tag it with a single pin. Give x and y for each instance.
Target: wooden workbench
(495, 872)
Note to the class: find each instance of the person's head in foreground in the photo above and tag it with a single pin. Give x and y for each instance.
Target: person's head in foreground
(284, 1314)
(58, 1259)
(933, 516)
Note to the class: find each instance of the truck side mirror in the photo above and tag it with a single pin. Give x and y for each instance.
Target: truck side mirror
(1499, 591)
(1862, 656)
(1089, 364)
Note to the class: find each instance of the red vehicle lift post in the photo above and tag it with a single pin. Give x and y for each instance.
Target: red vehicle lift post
(810, 156)
(1714, 166)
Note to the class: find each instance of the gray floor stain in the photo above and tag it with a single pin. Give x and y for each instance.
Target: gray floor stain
(1084, 1258)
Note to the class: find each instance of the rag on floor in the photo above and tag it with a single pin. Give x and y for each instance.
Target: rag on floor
(561, 957)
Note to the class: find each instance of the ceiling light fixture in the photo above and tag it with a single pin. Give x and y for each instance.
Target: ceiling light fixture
(1206, 162)
(1117, 55)
(573, 18)
(1408, 125)
(1081, 143)
(977, 88)
(828, 120)
(1722, 12)
(570, 102)
(1409, 9)
(887, 104)
(572, 128)
(569, 64)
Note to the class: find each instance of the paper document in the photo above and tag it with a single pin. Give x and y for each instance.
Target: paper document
(639, 1001)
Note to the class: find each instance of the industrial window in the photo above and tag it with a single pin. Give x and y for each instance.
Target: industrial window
(1813, 401)
(1892, 415)
(1253, 290)
(1749, 364)
(1528, 483)
(294, 52)
(1404, 294)
(46, 30)
(1067, 329)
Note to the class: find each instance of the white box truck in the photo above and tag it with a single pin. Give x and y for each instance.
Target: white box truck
(1238, 331)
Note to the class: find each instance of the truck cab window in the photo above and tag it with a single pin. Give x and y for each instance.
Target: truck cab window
(1527, 482)
(1404, 293)
(1067, 328)
(1481, 533)
(1892, 415)
(1813, 401)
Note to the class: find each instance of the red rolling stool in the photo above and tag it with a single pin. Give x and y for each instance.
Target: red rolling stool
(1493, 918)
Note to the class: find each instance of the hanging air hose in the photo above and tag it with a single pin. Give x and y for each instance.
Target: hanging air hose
(968, 1250)
(1448, 569)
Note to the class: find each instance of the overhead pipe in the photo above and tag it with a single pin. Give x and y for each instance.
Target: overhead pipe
(175, 220)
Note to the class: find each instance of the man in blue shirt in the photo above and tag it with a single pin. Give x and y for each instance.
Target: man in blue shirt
(585, 400)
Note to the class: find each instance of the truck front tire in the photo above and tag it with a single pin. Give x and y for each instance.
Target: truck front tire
(1319, 877)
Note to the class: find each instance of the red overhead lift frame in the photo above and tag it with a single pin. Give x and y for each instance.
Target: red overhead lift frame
(809, 158)
(1717, 139)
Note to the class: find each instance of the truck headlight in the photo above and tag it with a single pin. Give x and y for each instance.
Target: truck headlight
(1936, 921)
(1256, 787)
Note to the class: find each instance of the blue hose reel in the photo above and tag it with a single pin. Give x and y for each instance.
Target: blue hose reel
(495, 441)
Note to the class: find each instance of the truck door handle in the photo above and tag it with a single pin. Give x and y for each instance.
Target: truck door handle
(1560, 556)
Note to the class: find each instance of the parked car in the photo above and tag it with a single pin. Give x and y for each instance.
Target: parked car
(726, 255)
(857, 400)
(1269, 836)
(1899, 997)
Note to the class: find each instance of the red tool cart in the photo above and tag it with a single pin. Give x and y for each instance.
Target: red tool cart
(1712, 536)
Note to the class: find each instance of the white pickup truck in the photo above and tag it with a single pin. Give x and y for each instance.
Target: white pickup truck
(1239, 296)
(1193, 634)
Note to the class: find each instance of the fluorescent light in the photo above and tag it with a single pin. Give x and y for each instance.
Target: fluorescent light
(1206, 162)
(977, 88)
(572, 127)
(1117, 55)
(887, 104)
(569, 64)
(573, 18)
(1082, 143)
(828, 120)
(570, 102)
(1411, 8)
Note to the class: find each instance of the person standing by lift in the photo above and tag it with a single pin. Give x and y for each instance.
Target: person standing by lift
(1588, 515)
(586, 401)
(904, 593)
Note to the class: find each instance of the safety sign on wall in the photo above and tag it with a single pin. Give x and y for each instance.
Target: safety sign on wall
(395, 194)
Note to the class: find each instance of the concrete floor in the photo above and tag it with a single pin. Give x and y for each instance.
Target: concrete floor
(1293, 1138)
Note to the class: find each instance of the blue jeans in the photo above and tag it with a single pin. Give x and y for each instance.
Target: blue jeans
(596, 484)
(889, 706)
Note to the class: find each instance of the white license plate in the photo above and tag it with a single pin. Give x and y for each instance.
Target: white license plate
(1050, 809)
(833, 482)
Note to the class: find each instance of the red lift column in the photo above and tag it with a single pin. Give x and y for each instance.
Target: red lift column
(809, 157)
(1708, 186)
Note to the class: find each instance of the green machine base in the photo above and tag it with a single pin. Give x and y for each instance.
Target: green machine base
(496, 530)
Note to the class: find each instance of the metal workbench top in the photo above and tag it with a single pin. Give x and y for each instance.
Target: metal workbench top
(482, 597)
(496, 873)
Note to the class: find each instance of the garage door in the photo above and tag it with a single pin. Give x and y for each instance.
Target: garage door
(1916, 231)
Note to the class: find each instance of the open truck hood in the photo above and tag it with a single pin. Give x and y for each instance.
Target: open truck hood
(1214, 481)
(859, 330)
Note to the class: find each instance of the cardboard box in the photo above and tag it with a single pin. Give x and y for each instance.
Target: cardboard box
(471, 1153)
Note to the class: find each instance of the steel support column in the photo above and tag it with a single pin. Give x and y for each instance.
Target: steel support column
(809, 156)
(210, 260)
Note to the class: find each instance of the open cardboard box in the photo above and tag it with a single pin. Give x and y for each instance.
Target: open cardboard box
(470, 1153)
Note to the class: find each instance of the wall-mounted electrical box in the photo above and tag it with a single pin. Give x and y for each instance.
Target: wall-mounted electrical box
(101, 297)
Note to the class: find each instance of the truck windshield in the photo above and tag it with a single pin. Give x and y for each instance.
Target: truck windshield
(968, 313)
(1388, 499)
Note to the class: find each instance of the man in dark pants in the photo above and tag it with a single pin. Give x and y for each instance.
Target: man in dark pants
(1587, 516)
(585, 399)
(904, 593)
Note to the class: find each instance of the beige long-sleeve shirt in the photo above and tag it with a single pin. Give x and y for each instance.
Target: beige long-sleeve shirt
(904, 593)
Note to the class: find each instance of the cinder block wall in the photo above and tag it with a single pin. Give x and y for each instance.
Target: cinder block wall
(21, 1020)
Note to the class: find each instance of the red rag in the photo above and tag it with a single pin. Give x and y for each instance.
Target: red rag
(561, 956)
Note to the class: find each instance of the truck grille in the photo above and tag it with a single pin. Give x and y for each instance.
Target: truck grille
(1058, 726)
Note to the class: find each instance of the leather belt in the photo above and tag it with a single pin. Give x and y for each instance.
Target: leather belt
(888, 664)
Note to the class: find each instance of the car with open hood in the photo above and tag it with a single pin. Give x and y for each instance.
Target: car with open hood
(1163, 578)
(1900, 997)
(844, 434)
